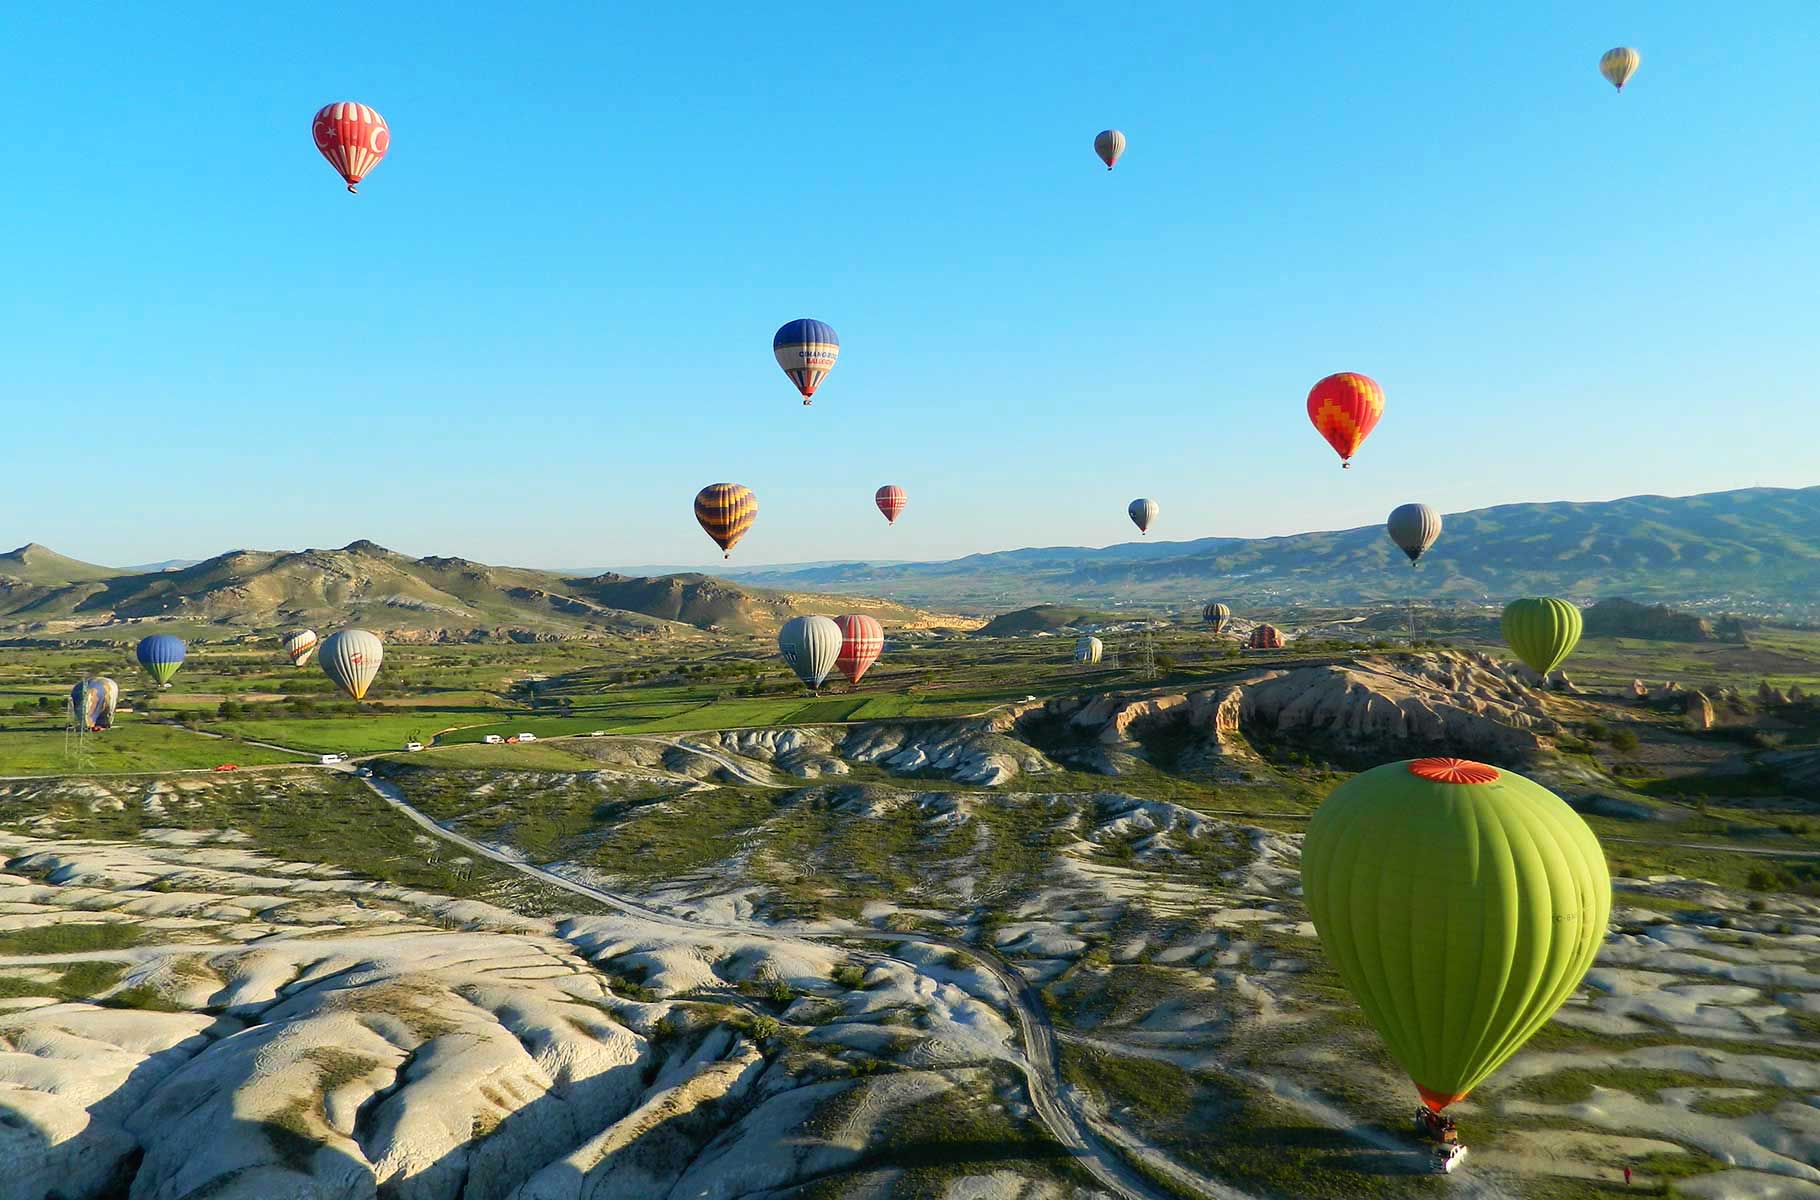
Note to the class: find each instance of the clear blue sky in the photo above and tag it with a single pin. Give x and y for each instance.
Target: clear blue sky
(546, 319)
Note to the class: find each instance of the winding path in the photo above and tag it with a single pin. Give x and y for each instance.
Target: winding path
(1041, 1063)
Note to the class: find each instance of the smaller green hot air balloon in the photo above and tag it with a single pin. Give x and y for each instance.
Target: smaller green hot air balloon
(1542, 630)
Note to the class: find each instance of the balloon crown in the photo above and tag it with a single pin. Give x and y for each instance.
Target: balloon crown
(1453, 770)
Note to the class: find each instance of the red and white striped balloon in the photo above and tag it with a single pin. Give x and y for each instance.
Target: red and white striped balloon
(352, 137)
(891, 500)
(862, 639)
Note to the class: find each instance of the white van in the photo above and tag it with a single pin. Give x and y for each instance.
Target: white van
(492, 739)
(526, 737)
(329, 760)
(413, 747)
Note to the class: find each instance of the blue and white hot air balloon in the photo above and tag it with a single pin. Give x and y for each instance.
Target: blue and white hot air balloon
(160, 655)
(806, 350)
(92, 703)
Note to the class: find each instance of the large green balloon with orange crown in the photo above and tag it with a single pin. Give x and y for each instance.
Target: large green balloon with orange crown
(1462, 904)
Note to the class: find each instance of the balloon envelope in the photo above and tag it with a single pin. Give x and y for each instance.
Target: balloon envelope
(1345, 408)
(1216, 615)
(1088, 650)
(299, 644)
(891, 501)
(810, 645)
(726, 511)
(1541, 630)
(352, 137)
(1618, 64)
(351, 660)
(862, 641)
(1266, 637)
(1142, 512)
(1414, 528)
(160, 655)
(1461, 905)
(1109, 144)
(92, 703)
(806, 349)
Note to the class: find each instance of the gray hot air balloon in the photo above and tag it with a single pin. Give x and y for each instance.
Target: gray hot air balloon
(351, 659)
(1414, 528)
(1216, 615)
(810, 645)
(1142, 513)
(1088, 650)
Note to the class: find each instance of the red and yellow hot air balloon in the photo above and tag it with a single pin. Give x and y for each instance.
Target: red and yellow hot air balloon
(352, 137)
(890, 500)
(1345, 408)
(725, 511)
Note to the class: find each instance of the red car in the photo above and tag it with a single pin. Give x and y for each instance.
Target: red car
(228, 767)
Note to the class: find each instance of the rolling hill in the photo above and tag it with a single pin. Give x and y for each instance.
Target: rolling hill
(366, 584)
(1754, 547)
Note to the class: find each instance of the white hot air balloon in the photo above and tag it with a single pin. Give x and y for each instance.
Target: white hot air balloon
(1142, 513)
(1088, 650)
(811, 645)
(299, 644)
(351, 659)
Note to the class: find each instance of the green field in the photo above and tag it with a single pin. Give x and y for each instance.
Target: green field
(132, 745)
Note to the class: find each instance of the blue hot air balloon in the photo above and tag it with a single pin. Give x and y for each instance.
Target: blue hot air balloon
(806, 350)
(161, 655)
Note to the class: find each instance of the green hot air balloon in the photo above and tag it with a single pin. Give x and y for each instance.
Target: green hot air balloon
(1461, 903)
(1542, 630)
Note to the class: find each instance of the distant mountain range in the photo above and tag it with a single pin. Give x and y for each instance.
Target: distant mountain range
(42, 592)
(1754, 548)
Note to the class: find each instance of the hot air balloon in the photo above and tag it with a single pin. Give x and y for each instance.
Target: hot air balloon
(1461, 905)
(351, 659)
(806, 350)
(1088, 650)
(1542, 630)
(890, 500)
(92, 703)
(299, 644)
(862, 639)
(160, 655)
(1414, 528)
(352, 137)
(811, 646)
(1618, 64)
(1266, 637)
(1216, 615)
(1109, 144)
(1142, 512)
(1345, 408)
(726, 511)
